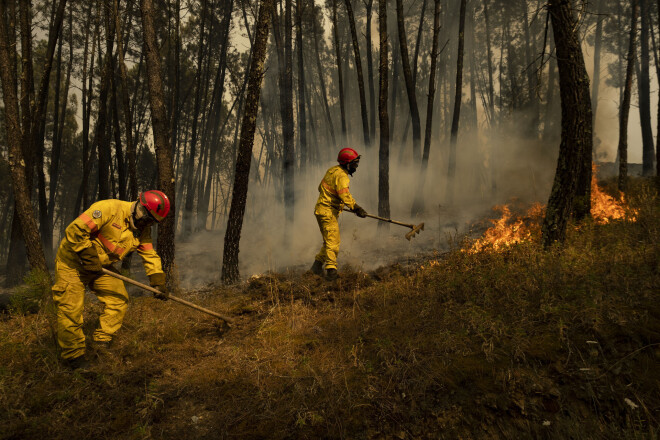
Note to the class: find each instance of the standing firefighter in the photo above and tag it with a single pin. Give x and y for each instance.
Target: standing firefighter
(333, 196)
(104, 234)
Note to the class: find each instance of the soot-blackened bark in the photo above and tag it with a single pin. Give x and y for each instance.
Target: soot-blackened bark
(576, 121)
(624, 111)
(384, 148)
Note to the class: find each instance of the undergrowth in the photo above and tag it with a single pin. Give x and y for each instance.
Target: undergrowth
(521, 343)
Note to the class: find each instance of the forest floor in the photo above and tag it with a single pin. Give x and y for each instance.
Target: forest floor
(516, 343)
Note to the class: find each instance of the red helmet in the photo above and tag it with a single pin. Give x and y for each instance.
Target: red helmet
(156, 203)
(347, 155)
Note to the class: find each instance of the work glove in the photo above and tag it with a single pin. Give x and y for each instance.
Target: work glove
(90, 261)
(157, 281)
(359, 211)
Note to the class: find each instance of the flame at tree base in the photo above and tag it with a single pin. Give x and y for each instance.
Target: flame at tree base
(509, 230)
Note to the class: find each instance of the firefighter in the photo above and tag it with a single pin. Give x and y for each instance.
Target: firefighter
(104, 234)
(333, 196)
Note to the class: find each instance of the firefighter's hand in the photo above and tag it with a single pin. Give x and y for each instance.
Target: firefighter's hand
(359, 211)
(157, 281)
(90, 261)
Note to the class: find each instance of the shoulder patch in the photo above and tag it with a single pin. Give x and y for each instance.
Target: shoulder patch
(96, 214)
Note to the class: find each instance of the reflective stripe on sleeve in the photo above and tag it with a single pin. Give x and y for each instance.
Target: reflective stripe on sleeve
(342, 191)
(146, 247)
(89, 222)
(111, 246)
(329, 188)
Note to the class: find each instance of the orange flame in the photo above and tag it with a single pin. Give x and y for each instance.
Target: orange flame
(508, 230)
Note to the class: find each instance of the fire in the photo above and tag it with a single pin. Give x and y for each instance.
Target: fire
(508, 230)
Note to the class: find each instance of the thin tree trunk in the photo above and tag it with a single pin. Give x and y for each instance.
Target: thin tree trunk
(451, 172)
(576, 131)
(625, 104)
(324, 93)
(360, 77)
(166, 180)
(418, 204)
(384, 148)
(15, 158)
(410, 82)
(370, 73)
(340, 86)
(302, 117)
(289, 162)
(489, 54)
(644, 90)
(230, 272)
(598, 39)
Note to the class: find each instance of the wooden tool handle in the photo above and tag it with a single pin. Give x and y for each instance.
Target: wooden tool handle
(172, 297)
(383, 219)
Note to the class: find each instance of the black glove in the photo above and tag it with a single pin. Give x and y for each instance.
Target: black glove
(90, 261)
(157, 281)
(359, 211)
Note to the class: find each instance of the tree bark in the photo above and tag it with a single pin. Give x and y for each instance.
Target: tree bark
(161, 140)
(410, 82)
(451, 172)
(230, 272)
(625, 103)
(370, 73)
(335, 33)
(576, 121)
(321, 74)
(384, 148)
(418, 204)
(302, 117)
(360, 76)
(15, 157)
(289, 162)
(489, 54)
(598, 40)
(644, 90)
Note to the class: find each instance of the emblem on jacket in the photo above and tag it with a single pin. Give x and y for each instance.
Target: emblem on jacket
(96, 214)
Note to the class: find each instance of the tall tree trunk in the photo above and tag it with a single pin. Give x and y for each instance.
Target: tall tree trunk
(230, 272)
(176, 80)
(360, 77)
(100, 139)
(643, 83)
(489, 54)
(302, 117)
(451, 172)
(166, 179)
(598, 40)
(576, 131)
(657, 68)
(370, 73)
(289, 162)
(410, 82)
(335, 33)
(15, 158)
(384, 148)
(190, 189)
(418, 204)
(126, 106)
(321, 73)
(625, 103)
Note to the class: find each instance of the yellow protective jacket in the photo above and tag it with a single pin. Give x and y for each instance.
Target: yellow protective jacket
(334, 192)
(106, 226)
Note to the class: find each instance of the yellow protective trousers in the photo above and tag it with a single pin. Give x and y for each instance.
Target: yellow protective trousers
(329, 227)
(69, 297)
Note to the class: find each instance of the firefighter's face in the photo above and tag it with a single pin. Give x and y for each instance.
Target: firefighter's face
(352, 166)
(141, 217)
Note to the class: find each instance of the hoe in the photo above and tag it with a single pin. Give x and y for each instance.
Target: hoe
(414, 230)
(173, 298)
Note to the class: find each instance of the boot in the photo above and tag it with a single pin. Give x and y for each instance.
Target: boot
(77, 364)
(331, 274)
(317, 268)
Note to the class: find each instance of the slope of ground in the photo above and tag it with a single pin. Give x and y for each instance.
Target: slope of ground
(522, 343)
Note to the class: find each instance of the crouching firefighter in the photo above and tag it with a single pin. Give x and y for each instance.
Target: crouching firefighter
(333, 196)
(104, 234)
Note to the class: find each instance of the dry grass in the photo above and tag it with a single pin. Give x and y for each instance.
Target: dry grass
(515, 344)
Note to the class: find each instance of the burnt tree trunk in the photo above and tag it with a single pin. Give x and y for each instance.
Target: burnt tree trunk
(624, 111)
(324, 92)
(340, 86)
(161, 140)
(410, 82)
(289, 159)
(302, 117)
(230, 272)
(576, 121)
(598, 40)
(370, 72)
(384, 148)
(644, 90)
(418, 204)
(360, 76)
(451, 172)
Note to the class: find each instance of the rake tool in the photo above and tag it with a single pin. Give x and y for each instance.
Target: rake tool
(414, 229)
(172, 297)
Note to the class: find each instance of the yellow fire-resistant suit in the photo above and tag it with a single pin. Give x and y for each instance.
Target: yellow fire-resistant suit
(106, 226)
(333, 196)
